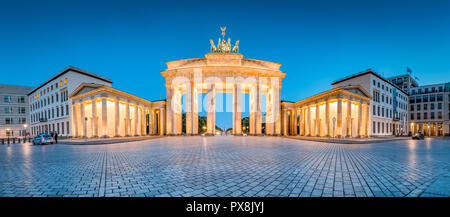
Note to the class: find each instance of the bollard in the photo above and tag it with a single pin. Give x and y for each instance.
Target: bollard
(14, 141)
(8, 140)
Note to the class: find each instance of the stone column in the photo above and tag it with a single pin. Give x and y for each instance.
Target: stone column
(161, 122)
(176, 112)
(285, 126)
(136, 120)
(308, 124)
(301, 122)
(269, 120)
(211, 110)
(75, 129)
(360, 120)
(117, 119)
(368, 120)
(150, 122)
(339, 119)
(252, 113)
(277, 109)
(82, 120)
(327, 118)
(189, 99)
(104, 118)
(127, 120)
(258, 120)
(194, 110)
(294, 122)
(169, 112)
(318, 120)
(237, 109)
(349, 119)
(94, 122)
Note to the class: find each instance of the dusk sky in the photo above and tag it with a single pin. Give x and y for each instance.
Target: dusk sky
(315, 41)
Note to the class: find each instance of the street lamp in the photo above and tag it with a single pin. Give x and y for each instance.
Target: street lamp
(8, 131)
(25, 128)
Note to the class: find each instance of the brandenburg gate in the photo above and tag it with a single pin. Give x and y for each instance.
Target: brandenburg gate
(223, 70)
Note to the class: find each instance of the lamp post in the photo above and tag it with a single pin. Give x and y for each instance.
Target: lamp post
(25, 129)
(8, 131)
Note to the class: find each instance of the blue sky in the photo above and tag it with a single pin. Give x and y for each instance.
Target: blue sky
(315, 41)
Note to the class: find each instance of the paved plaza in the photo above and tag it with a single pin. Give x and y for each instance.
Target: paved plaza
(227, 166)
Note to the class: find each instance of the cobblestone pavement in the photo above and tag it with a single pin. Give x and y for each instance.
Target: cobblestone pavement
(227, 166)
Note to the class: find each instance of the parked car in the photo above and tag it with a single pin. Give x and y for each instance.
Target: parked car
(418, 136)
(43, 138)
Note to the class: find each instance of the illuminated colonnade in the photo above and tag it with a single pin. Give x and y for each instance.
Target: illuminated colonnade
(102, 111)
(339, 112)
(223, 73)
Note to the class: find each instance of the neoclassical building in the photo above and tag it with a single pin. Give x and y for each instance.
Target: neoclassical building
(99, 110)
(223, 70)
(339, 112)
(102, 111)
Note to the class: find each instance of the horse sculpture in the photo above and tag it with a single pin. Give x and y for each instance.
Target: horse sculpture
(213, 47)
(236, 47)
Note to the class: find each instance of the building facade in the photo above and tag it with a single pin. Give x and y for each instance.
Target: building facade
(50, 104)
(14, 110)
(223, 72)
(389, 104)
(338, 113)
(102, 111)
(429, 109)
(404, 82)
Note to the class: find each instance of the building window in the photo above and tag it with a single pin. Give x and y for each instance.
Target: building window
(432, 98)
(62, 127)
(7, 98)
(21, 99)
(439, 105)
(60, 83)
(418, 107)
(432, 106)
(8, 121)
(8, 110)
(425, 115)
(22, 120)
(411, 108)
(65, 80)
(432, 115)
(425, 98)
(21, 110)
(425, 106)
(411, 99)
(67, 109)
(412, 116)
(418, 116)
(439, 115)
(439, 97)
(418, 99)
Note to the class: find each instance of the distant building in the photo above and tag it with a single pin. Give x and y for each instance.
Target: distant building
(14, 110)
(50, 105)
(389, 104)
(429, 109)
(404, 82)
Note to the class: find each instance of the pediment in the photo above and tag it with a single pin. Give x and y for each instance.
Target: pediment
(84, 88)
(357, 90)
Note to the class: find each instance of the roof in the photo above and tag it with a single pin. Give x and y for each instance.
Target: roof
(369, 71)
(95, 88)
(15, 89)
(73, 69)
